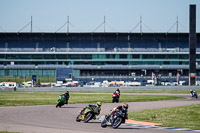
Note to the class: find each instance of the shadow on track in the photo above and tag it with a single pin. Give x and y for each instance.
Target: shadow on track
(127, 128)
(69, 107)
(94, 122)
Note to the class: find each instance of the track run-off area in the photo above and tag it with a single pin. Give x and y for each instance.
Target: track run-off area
(49, 119)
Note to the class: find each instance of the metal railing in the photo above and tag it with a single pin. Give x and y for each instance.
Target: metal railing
(94, 50)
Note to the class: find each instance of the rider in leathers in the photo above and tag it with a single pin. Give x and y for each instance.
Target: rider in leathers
(66, 95)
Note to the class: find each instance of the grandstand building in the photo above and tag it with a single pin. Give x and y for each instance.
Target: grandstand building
(96, 55)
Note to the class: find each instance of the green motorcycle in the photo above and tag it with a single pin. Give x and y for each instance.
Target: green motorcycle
(61, 101)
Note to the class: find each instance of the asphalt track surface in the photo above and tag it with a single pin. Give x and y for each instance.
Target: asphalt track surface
(49, 119)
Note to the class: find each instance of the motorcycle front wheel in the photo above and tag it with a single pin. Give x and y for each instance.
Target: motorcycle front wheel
(78, 118)
(117, 122)
(58, 105)
(103, 124)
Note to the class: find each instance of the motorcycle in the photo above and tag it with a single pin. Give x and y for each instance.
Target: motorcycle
(115, 97)
(86, 115)
(61, 101)
(116, 119)
(194, 94)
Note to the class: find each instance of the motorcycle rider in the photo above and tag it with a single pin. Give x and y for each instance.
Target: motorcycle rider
(117, 91)
(96, 108)
(123, 108)
(66, 96)
(116, 96)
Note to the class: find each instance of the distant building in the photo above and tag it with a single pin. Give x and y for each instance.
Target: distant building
(122, 56)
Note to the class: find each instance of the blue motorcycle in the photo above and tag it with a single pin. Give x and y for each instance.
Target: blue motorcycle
(194, 94)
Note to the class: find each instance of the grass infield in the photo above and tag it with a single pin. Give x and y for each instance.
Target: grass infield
(7, 132)
(177, 117)
(26, 98)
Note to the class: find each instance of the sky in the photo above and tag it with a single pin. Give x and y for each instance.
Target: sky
(88, 15)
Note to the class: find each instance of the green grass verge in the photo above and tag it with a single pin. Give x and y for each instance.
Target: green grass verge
(141, 91)
(25, 98)
(177, 117)
(162, 91)
(7, 132)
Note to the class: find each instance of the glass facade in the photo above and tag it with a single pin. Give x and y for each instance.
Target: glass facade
(89, 59)
(96, 59)
(28, 73)
(95, 56)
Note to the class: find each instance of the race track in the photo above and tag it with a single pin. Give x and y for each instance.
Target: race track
(49, 119)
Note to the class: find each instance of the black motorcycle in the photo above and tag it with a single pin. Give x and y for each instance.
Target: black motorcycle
(116, 119)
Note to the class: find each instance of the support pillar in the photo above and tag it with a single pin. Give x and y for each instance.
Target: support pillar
(192, 45)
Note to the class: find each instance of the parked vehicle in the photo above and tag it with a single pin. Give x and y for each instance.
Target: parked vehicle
(116, 83)
(58, 83)
(93, 84)
(133, 83)
(8, 85)
(166, 83)
(105, 83)
(197, 82)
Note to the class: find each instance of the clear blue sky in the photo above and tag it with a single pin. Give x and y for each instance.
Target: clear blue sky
(87, 15)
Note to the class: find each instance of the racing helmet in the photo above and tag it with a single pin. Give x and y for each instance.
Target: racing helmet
(98, 104)
(125, 105)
